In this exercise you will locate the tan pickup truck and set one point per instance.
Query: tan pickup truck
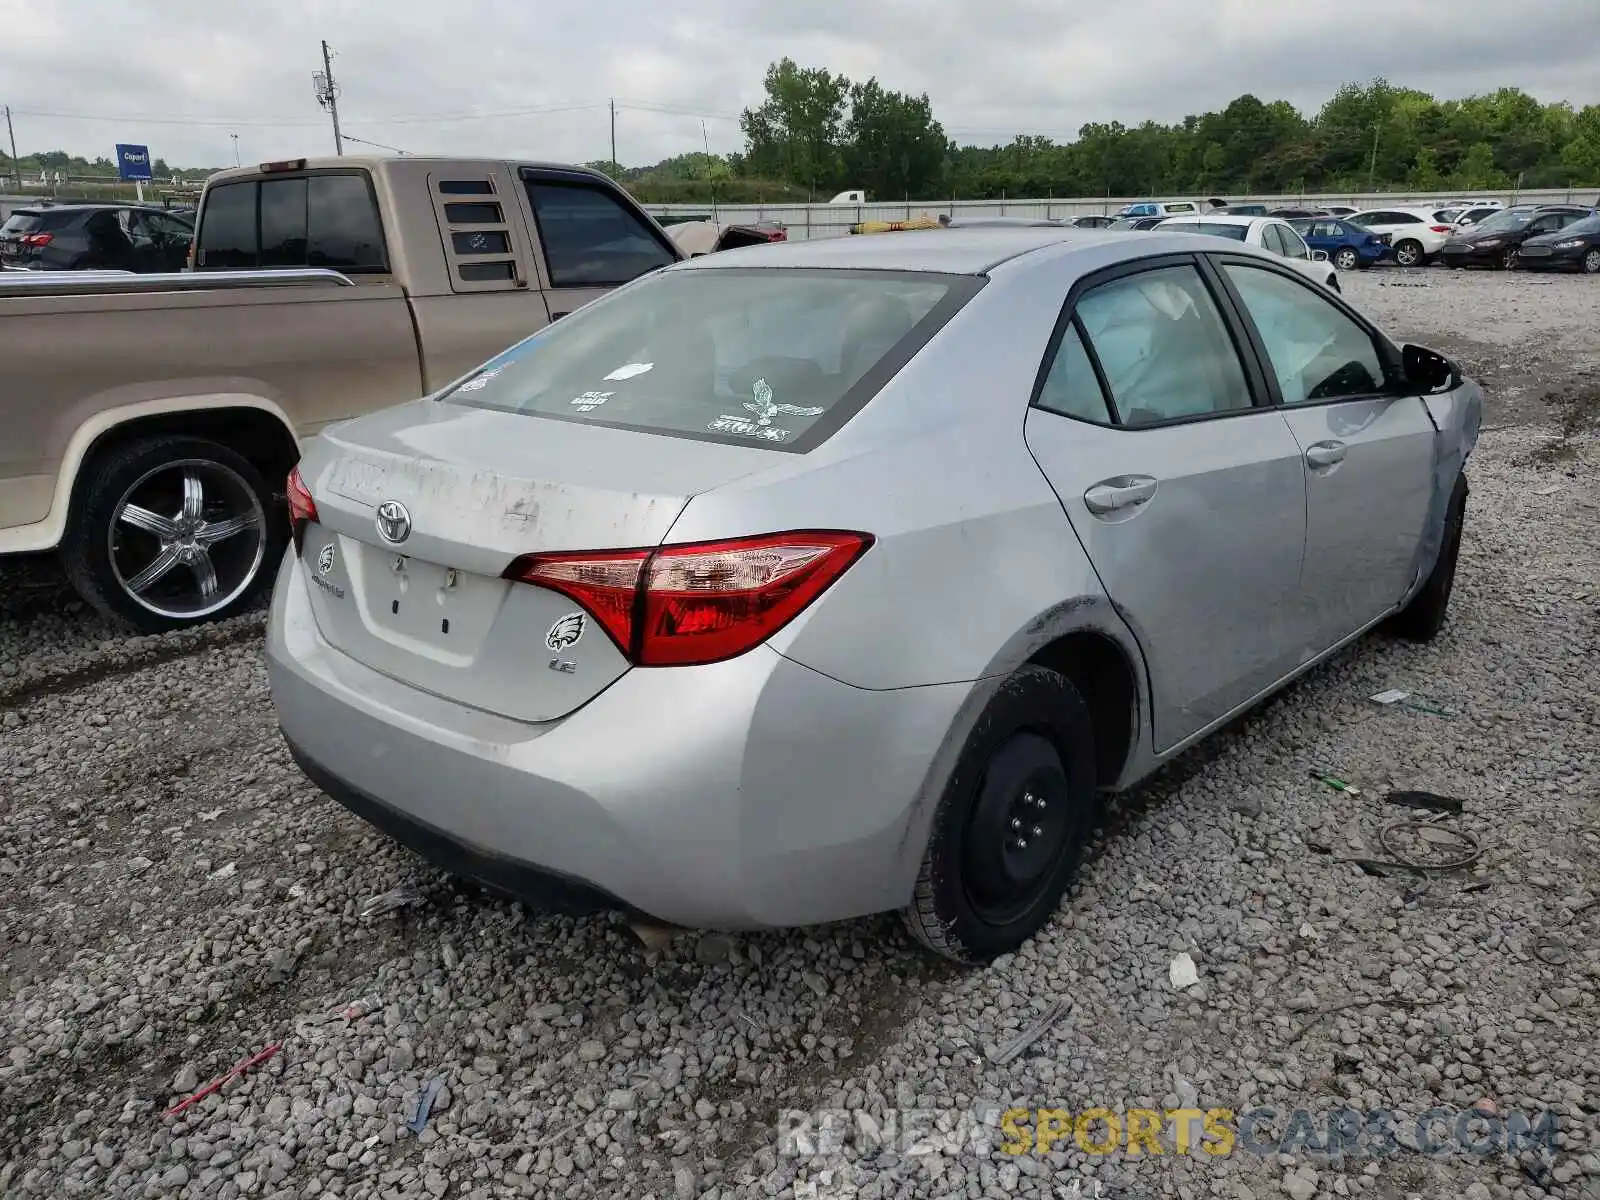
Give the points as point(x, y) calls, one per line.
point(148, 422)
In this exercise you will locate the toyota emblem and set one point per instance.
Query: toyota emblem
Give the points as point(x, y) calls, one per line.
point(394, 522)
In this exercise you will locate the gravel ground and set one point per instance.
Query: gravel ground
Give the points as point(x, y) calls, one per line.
point(176, 898)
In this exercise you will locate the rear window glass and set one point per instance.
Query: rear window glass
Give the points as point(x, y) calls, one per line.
point(310, 221)
point(1214, 229)
point(774, 358)
point(21, 223)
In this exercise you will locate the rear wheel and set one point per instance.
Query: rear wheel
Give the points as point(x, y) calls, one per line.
point(1591, 263)
point(1012, 823)
point(1408, 253)
point(171, 531)
point(1346, 258)
point(1423, 618)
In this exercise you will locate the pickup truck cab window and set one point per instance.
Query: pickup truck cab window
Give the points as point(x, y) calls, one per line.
point(321, 220)
point(590, 239)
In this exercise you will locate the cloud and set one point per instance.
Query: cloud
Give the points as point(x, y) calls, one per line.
point(182, 75)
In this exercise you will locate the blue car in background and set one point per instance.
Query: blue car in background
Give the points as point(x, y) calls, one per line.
point(1347, 244)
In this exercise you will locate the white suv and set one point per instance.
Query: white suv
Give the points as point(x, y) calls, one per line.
point(1415, 234)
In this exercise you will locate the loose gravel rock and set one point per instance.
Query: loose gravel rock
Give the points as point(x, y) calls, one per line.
point(175, 897)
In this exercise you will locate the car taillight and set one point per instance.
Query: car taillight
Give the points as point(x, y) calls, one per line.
point(302, 508)
point(1440, 228)
point(38, 239)
point(702, 602)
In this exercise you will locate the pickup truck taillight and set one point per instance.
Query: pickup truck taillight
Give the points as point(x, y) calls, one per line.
point(302, 508)
point(701, 602)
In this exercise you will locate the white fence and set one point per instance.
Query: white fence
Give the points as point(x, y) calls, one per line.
point(831, 220)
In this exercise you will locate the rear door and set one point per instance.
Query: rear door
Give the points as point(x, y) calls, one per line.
point(1186, 493)
point(1366, 446)
point(592, 237)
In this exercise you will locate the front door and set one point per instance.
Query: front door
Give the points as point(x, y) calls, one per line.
point(1367, 449)
point(1188, 498)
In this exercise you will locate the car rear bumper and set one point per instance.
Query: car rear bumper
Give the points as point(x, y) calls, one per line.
point(753, 792)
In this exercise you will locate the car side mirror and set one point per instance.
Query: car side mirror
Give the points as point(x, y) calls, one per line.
point(1319, 256)
point(1428, 370)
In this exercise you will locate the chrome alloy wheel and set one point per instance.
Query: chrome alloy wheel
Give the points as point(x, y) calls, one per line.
point(187, 538)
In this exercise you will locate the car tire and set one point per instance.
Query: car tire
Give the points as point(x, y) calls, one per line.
point(1408, 252)
point(1333, 283)
point(103, 546)
point(1591, 263)
point(988, 882)
point(1423, 618)
point(1346, 258)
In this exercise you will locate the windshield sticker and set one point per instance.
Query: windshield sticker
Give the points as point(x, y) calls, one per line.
point(764, 409)
point(590, 401)
point(628, 371)
point(745, 427)
point(480, 380)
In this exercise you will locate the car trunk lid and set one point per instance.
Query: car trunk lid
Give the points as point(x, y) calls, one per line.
point(421, 508)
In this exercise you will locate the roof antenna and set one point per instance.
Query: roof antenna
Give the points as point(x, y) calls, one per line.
point(705, 138)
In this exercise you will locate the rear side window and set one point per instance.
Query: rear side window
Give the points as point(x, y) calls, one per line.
point(590, 238)
point(1162, 347)
point(307, 221)
point(768, 358)
point(228, 239)
point(1071, 387)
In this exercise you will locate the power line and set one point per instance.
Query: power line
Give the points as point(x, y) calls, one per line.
point(350, 137)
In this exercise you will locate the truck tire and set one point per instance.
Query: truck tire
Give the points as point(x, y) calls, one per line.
point(171, 531)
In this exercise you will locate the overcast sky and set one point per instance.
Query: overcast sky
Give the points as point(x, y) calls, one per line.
point(182, 75)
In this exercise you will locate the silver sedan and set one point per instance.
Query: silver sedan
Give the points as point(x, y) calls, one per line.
point(807, 581)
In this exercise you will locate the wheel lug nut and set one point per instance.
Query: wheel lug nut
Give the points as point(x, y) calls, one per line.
point(1016, 823)
point(1037, 831)
point(1022, 843)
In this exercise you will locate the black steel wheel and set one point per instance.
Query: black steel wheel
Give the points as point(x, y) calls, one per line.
point(1016, 814)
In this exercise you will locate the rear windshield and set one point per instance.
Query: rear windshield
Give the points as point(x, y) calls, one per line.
point(22, 223)
point(1214, 228)
point(779, 358)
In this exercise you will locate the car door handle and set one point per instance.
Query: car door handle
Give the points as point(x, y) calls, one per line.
point(1325, 454)
point(1114, 495)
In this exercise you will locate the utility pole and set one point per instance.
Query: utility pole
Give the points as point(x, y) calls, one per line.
point(328, 95)
point(235, 138)
point(614, 168)
point(16, 167)
point(1372, 170)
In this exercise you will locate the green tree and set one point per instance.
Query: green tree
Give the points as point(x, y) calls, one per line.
point(892, 146)
point(795, 133)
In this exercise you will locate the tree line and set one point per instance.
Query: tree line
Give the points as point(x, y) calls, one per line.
point(817, 133)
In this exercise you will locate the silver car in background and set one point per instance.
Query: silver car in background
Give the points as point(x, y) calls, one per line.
point(802, 582)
